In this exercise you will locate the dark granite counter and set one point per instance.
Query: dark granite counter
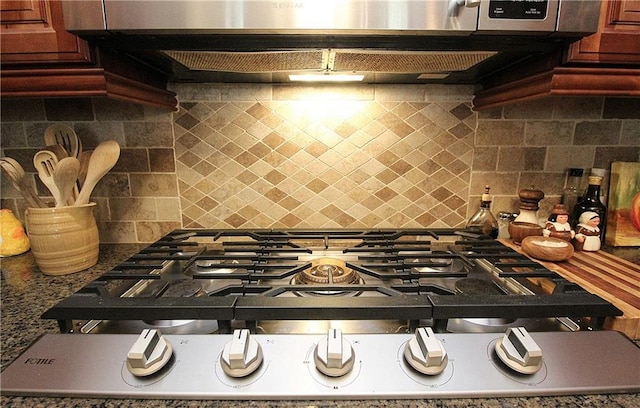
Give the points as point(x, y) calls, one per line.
point(27, 293)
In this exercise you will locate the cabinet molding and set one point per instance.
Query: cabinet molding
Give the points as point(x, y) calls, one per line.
point(567, 81)
point(81, 82)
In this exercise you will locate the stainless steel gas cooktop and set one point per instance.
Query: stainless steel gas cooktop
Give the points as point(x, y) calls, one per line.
point(342, 314)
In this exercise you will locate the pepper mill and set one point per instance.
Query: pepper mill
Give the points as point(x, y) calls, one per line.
point(526, 223)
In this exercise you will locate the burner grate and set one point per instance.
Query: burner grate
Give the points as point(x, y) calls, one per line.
point(247, 275)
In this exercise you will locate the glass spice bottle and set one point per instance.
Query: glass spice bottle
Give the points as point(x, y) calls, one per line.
point(483, 221)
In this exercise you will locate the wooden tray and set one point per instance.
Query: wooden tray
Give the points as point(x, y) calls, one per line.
point(610, 277)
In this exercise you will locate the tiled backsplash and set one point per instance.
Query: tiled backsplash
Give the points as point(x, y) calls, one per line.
point(279, 156)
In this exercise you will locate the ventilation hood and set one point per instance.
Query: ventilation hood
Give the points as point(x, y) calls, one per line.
point(386, 41)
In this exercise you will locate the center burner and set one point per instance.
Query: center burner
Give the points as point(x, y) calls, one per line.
point(327, 271)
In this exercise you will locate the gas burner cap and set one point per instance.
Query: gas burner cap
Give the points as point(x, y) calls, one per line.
point(472, 286)
point(327, 271)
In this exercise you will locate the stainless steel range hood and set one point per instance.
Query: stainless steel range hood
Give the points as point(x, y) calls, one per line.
point(388, 41)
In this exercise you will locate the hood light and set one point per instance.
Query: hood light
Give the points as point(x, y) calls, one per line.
point(326, 78)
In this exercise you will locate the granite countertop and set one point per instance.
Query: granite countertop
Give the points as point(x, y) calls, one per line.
point(27, 293)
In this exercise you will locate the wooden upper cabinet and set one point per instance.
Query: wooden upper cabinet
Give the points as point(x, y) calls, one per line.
point(32, 31)
point(40, 59)
point(606, 63)
point(618, 38)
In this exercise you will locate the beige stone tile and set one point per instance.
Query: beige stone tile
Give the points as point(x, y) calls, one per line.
point(153, 185)
point(499, 133)
point(246, 92)
point(545, 133)
point(459, 93)
point(535, 109)
point(399, 93)
point(117, 232)
point(521, 159)
point(148, 134)
point(112, 185)
point(577, 108)
point(195, 92)
point(153, 231)
point(168, 209)
point(129, 209)
point(322, 92)
point(605, 132)
point(92, 133)
point(500, 183)
point(630, 133)
point(550, 183)
point(605, 155)
point(440, 116)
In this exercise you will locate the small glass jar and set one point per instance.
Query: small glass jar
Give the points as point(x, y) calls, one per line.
point(504, 219)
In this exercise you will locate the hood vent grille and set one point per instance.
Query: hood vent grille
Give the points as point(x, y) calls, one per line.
point(249, 62)
point(331, 60)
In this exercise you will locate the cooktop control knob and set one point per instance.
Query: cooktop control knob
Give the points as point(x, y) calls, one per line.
point(519, 351)
point(334, 355)
point(425, 353)
point(149, 353)
point(242, 355)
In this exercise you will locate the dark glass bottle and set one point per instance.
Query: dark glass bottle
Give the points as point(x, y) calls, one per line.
point(591, 202)
point(483, 221)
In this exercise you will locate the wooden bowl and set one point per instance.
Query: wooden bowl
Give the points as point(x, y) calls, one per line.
point(519, 230)
point(547, 248)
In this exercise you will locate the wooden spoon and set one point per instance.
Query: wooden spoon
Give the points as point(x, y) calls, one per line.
point(65, 176)
point(103, 158)
point(45, 162)
point(85, 156)
point(14, 171)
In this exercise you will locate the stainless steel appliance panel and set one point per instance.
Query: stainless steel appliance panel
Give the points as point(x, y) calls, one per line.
point(259, 16)
point(94, 366)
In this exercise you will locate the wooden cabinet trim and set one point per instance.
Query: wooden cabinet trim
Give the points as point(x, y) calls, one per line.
point(562, 81)
point(87, 82)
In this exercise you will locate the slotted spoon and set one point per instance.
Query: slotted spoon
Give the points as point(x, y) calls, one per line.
point(45, 163)
point(65, 136)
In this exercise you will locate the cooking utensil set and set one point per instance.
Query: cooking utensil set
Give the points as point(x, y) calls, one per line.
point(64, 168)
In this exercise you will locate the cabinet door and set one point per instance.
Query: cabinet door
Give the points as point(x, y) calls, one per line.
point(618, 38)
point(32, 31)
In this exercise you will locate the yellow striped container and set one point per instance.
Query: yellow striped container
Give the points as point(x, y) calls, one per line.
point(63, 239)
